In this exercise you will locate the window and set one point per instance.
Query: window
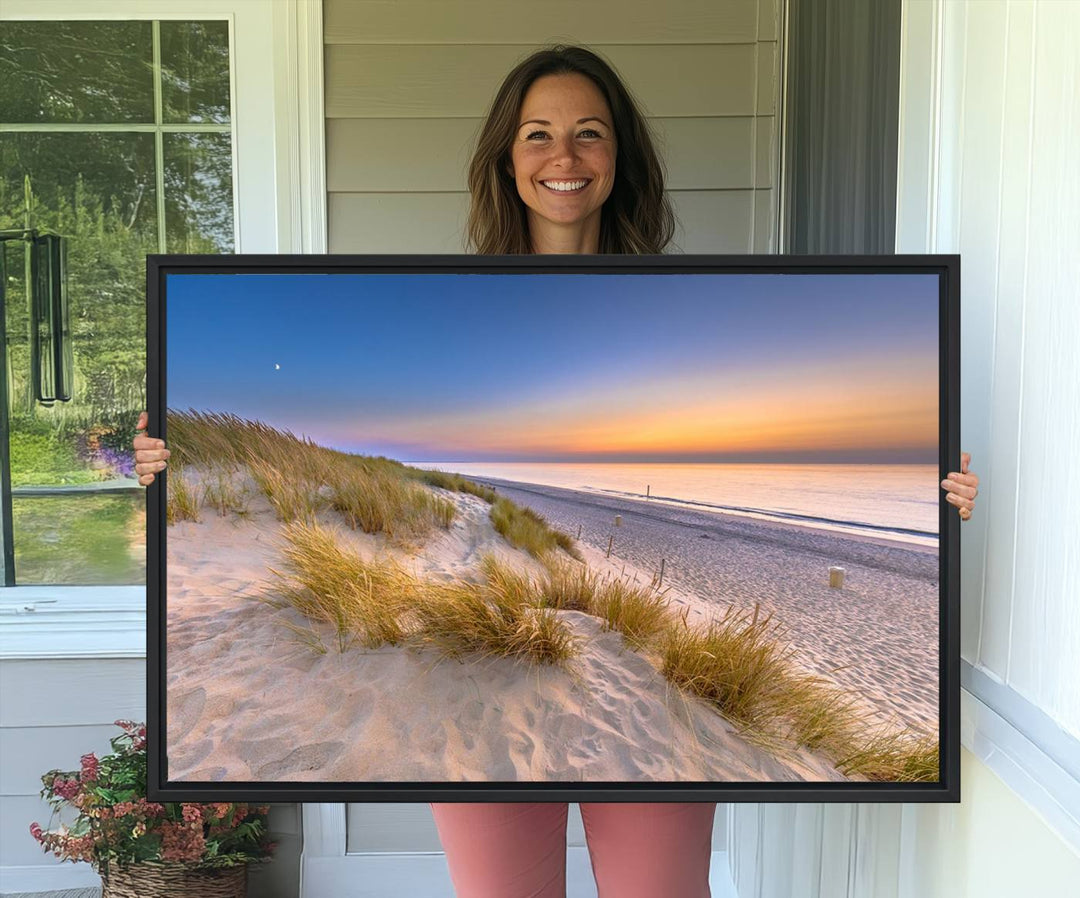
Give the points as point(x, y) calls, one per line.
point(118, 136)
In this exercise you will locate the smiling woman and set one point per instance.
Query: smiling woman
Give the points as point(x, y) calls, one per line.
point(560, 118)
point(563, 165)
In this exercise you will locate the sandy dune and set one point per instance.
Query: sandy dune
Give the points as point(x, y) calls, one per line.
point(248, 701)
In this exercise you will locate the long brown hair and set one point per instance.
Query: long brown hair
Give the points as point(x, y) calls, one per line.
point(637, 216)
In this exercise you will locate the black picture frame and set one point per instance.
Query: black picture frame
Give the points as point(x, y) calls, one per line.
point(947, 789)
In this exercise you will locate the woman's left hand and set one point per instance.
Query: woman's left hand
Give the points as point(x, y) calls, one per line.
point(962, 487)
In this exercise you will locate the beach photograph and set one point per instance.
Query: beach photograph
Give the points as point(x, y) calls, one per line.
point(556, 528)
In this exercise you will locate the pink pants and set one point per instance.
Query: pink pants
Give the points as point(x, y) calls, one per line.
point(649, 850)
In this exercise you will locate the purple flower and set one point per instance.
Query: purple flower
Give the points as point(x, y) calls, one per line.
point(119, 463)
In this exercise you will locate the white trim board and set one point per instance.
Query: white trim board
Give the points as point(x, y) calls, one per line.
point(1047, 788)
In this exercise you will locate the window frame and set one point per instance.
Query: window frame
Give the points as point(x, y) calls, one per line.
point(276, 59)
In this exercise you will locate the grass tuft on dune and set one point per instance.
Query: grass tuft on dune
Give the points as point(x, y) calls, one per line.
point(524, 529)
point(498, 617)
point(361, 600)
point(378, 603)
point(300, 478)
point(738, 663)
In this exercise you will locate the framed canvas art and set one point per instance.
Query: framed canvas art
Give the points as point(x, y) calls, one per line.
point(575, 528)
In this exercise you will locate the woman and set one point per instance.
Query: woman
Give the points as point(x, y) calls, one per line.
point(565, 164)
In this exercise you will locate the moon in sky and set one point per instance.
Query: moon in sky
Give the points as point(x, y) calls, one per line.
point(277, 367)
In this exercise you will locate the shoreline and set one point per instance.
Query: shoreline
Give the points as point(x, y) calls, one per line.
point(906, 536)
point(878, 635)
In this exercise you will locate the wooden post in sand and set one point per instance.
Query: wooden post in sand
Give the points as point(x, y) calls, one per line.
point(610, 542)
point(618, 520)
point(647, 490)
point(660, 582)
point(579, 531)
point(836, 577)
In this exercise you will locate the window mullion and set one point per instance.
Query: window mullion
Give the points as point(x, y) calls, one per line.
point(159, 137)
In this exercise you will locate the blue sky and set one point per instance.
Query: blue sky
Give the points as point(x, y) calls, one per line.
point(567, 367)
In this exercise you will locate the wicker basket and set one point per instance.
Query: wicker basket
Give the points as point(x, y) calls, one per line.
point(173, 880)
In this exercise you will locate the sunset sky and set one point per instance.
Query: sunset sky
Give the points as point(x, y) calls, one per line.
point(568, 367)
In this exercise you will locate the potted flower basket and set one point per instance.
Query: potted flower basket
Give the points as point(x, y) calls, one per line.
point(142, 848)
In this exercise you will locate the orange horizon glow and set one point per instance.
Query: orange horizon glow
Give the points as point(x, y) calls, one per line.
point(833, 407)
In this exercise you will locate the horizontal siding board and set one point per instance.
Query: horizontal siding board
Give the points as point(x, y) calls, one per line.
point(65, 692)
point(399, 154)
point(707, 153)
point(713, 221)
point(397, 222)
point(28, 752)
point(374, 81)
point(394, 154)
point(708, 221)
point(522, 22)
point(17, 846)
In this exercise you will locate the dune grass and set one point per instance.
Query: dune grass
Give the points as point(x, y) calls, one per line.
point(378, 603)
point(498, 617)
point(891, 757)
point(524, 529)
point(222, 494)
point(740, 665)
point(733, 662)
point(455, 483)
point(184, 499)
point(300, 478)
point(361, 600)
point(640, 613)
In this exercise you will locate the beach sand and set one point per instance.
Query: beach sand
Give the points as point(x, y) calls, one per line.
point(877, 635)
point(247, 700)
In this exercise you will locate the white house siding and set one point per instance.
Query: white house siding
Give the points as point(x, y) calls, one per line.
point(408, 83)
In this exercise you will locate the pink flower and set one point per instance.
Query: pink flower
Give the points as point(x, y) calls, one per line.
point(89, 768)
point(65, 788)
point(36, 831)
point(192, 813)
point(181, 841)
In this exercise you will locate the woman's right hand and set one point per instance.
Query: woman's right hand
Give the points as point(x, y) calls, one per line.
point(150, 454)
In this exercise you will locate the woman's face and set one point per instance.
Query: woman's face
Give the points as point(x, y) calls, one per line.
point(565, 136)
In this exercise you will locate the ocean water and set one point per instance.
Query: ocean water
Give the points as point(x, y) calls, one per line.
point(894, 501)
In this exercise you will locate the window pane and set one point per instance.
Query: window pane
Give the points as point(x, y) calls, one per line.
point(195, 72)
point(98, 191)
point(198, 193)
point(81, 540)
point(76, 72)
